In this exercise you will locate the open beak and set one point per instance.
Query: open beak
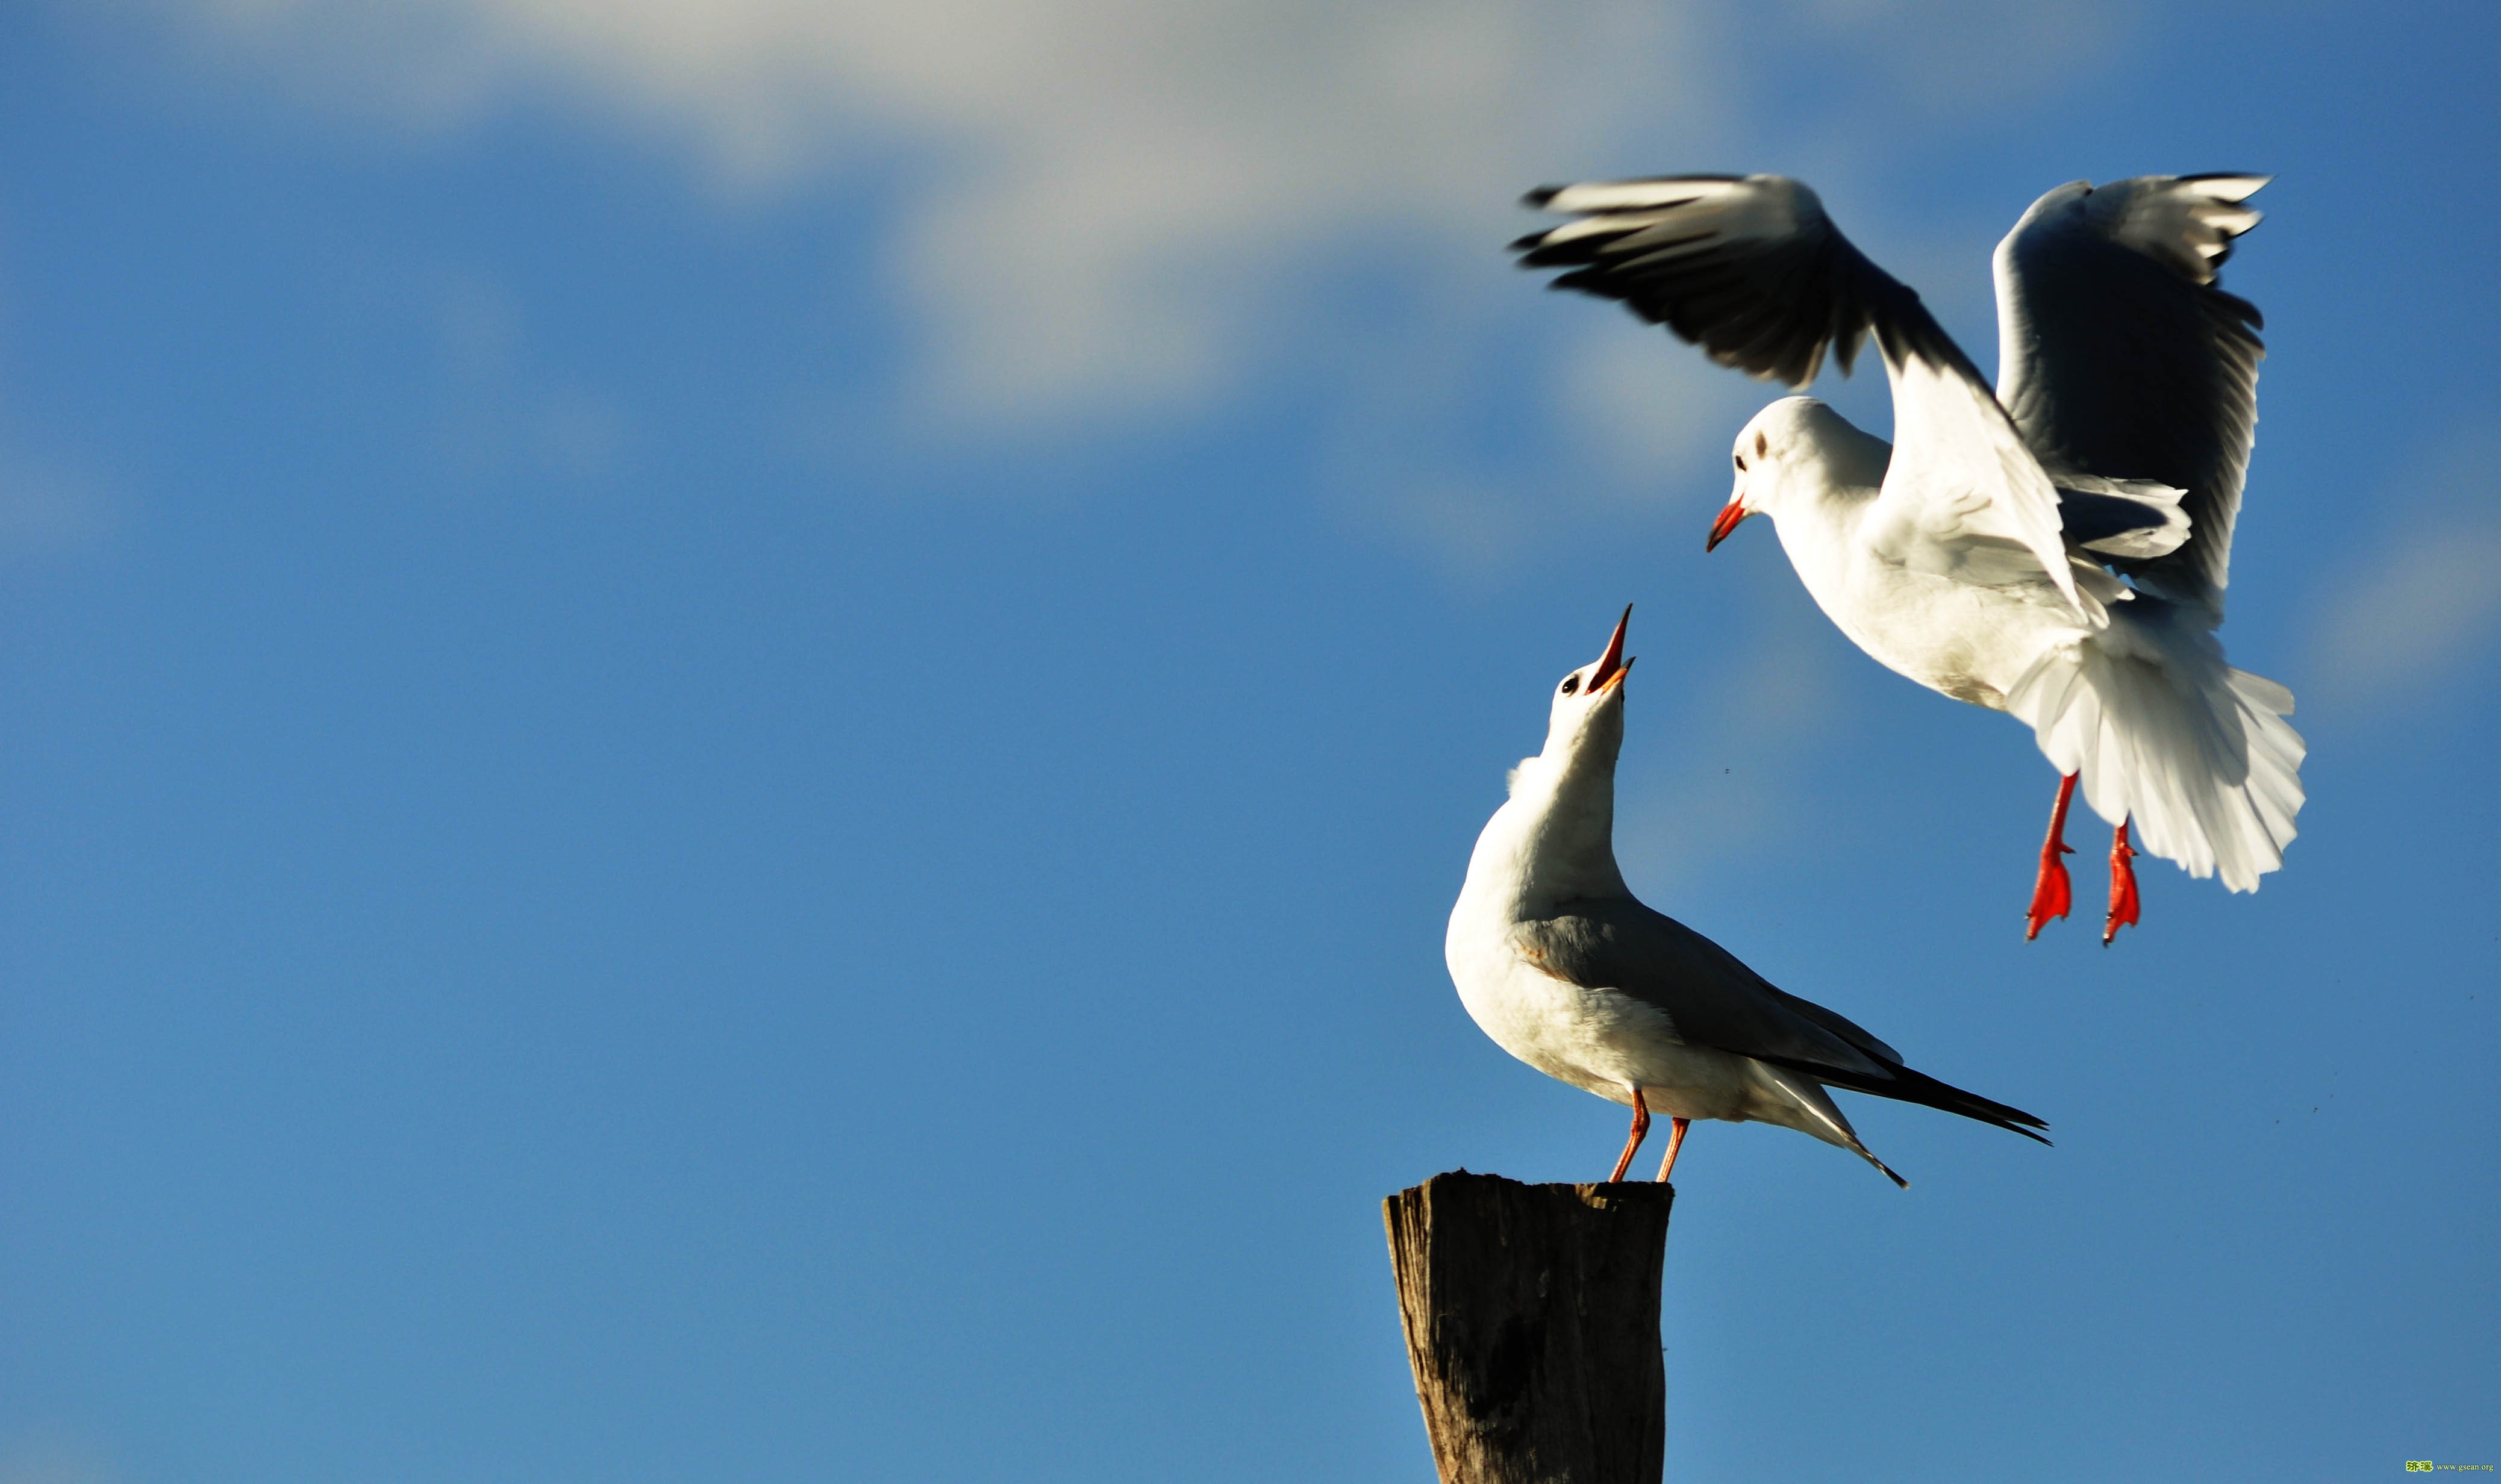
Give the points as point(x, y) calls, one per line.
point(1611, 665)
point(1729, 516)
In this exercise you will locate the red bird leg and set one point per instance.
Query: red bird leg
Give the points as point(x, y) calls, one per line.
point(1641, 1127)
point(1676, 1128)
point(2122, 908)
point(2052, 893)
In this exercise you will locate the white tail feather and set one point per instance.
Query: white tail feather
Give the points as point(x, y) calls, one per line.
point(2166, 732)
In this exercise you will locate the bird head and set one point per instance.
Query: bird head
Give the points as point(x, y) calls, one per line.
point(1589, 704)
point(1784, 439)
point(1556, 832)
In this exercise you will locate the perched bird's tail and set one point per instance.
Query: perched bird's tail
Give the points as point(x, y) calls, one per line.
point(2167, 734)
point(1811, 1109)
point(1804, 1085)
point(1903, 1085)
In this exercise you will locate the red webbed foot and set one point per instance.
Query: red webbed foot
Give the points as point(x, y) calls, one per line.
point(2122, 900)
point(2052, 894)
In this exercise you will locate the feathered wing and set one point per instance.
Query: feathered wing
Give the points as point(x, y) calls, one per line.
point(2130, 370)
point(1963, 497)
point(2120, 517)
point(1714, 1000)
point(1747, 267)
point(2120, 356)
point(1752, 269)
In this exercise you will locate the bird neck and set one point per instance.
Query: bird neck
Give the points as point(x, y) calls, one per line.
point(1555, 840)
point(1821, 506)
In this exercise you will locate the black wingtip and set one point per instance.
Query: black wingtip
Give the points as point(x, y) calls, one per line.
point(1536, 199)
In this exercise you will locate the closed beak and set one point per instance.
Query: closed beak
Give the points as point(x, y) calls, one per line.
point(1729, 516)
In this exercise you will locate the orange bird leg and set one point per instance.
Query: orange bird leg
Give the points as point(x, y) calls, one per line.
point(2052, 895)
point(1676, 1128)
point(2122, 908)
point(1641, 1127)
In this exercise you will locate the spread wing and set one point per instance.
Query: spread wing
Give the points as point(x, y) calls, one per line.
point(1714, 1000)
point(2120, 356)
point(1752, 269)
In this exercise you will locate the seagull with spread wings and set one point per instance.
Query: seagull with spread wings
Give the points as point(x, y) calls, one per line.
point(2055, 547)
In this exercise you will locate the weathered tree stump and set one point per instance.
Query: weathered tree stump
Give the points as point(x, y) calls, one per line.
point(1531, 1314)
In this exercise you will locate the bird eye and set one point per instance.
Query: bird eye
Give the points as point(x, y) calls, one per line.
point(1571, 684)
point(1740, 463)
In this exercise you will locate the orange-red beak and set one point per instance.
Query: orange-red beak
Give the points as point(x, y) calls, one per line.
point(1729, 516)
point(1611, 665)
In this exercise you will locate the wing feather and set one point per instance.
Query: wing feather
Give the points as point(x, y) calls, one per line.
point(1714, 1000)
point(1710, 996)
point(2121, 357)
point(1752, 269)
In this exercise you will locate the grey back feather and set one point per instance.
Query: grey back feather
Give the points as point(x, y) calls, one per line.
point(1713, 999)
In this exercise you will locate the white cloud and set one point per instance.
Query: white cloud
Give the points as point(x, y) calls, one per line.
point(1119, 211)
point(2425, 605)
point(1109, 194)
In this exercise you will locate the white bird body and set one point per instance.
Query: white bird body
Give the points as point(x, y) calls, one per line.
point(2122, 687)
point(1563, 967)
point(1548, 845)
point(2055, 547)
point(1968, 642)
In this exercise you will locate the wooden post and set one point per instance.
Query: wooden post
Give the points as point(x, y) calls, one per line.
point(1531, 1314)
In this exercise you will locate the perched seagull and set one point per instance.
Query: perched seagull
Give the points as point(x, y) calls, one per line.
point(1568, 973)
point(2056, 549)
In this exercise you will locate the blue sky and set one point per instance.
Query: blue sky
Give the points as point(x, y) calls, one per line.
point(733, 738)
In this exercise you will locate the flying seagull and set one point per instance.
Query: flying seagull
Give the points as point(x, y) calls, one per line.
point(2056, 549)
point(1560, 965)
